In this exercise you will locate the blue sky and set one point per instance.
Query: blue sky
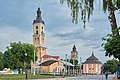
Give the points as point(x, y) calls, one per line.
point(16, 19)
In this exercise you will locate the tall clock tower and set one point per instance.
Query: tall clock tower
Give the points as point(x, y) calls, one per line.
point(39, 35)
point(74, 53)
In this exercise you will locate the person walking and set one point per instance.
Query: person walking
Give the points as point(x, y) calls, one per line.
point(106, 75)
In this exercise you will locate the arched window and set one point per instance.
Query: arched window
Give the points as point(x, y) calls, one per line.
point(43, 40)
point(37, 32)
point(36, 27)
point(42, 27)
point(38, 39)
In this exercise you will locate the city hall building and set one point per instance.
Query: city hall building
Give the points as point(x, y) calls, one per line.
point(40, 44)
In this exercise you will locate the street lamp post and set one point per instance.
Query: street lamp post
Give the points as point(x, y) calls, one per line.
point(73, 66)
point(26, 66)
point(80, 66)
point(69, 65)
point(66, 63)
point(34, 62)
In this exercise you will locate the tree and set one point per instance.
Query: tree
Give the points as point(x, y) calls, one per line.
point(14, 56)
point(86, 7)
point(1, 61)
point(75, 63)
point(112, 46)
point(110, 66)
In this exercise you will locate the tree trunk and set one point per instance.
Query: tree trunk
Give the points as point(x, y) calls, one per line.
point(112, 18)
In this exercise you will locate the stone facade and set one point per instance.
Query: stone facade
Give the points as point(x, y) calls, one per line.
point(39, 35)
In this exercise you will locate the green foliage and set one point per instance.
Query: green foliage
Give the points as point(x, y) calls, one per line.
point(14, 57)
point(112, 46)
point(116, 4)
point(110, 65)
point(1, 65)
point(85, 8)
point(1, 61)
point(74, 62)
point(23, 76)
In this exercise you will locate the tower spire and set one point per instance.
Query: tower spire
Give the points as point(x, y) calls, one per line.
point(39, 14)
point(38, 11)
point(74, 48)
point(38, 17)
point(92, 53)
point(74, 53)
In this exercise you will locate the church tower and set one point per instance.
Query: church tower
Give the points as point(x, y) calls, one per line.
point(74, 53)
point(39, 35)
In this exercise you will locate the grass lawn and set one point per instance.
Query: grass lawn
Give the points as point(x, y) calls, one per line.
point(23, 76)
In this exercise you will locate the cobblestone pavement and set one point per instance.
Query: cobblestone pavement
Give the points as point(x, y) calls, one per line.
point(84, 77)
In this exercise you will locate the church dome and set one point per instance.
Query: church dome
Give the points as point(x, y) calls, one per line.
point(92, 60)
point(38, 18)
point(92, 57)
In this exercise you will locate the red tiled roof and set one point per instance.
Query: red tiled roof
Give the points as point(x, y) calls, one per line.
point(49, 56)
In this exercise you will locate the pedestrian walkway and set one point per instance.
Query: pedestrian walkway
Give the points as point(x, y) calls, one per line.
point(84, 77)
point(65, 79)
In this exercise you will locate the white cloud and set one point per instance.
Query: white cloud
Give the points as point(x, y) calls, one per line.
point(10, 34)
point(61, 33)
